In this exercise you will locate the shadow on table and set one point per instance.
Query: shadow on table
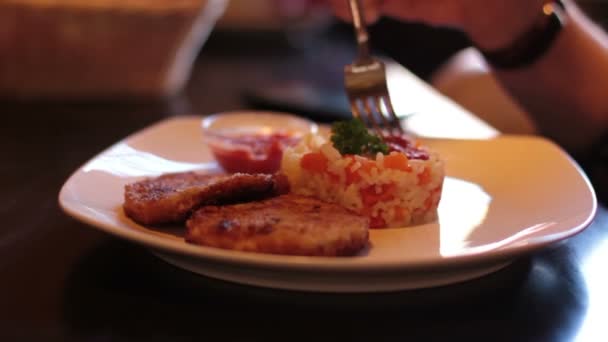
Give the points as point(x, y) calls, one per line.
point(122, 292)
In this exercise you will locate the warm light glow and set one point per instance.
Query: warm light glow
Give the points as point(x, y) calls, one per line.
point(548, 9)
point(463, 207)
point(124, 161)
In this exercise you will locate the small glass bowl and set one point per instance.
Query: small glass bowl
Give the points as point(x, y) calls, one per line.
point(224, 132)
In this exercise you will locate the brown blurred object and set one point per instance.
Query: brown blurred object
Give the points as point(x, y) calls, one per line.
point(251, 15)
point(101, 48)
point(273, 15)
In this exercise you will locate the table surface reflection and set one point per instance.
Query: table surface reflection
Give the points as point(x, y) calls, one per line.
point(61, 280)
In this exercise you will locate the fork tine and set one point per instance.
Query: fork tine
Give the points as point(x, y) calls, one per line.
point(377, 126)
point(356, 111)
point(396, 123)
point(387, 124)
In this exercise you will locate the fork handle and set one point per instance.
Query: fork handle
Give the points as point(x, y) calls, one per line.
point(360, 31)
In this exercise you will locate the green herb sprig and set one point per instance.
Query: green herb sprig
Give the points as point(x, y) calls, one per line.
point(352, 137)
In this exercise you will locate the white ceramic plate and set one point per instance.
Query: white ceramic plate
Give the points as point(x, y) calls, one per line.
point(503, 198)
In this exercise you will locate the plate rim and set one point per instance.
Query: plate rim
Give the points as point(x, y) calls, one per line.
point(304, 263)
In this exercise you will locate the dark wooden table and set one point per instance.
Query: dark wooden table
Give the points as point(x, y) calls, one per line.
point(62, 280)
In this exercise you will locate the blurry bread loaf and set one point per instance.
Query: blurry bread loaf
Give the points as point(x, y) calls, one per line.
point(100, 48)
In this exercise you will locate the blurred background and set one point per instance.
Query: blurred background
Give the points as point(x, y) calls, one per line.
point(289, 55)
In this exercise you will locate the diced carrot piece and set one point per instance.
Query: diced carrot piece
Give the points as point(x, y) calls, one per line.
point(370, 197)
point(374, 221)
point(400, 213)
point(351, 176)
point(377, 222)
point(397, 161)
point(355, 176)
point(334, 178)
point(314, 162)
point(425, 176)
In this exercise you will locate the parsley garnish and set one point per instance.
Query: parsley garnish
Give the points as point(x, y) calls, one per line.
point(352, 137)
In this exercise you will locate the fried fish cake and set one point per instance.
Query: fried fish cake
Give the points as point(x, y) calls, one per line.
point(288, 224)
point(171, 198)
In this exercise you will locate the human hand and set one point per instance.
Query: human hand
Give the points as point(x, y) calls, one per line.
point(491, 24)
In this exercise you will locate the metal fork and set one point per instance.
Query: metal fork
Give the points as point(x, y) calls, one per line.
point(365, 81)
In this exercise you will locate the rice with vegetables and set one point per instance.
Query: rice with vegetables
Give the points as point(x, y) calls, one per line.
point(395, 185)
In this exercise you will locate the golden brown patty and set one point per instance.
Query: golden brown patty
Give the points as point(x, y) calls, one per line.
point(288, 224)
point(172, 197)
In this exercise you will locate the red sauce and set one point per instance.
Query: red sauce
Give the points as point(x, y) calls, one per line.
point(406, 145)
point(252, 153)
